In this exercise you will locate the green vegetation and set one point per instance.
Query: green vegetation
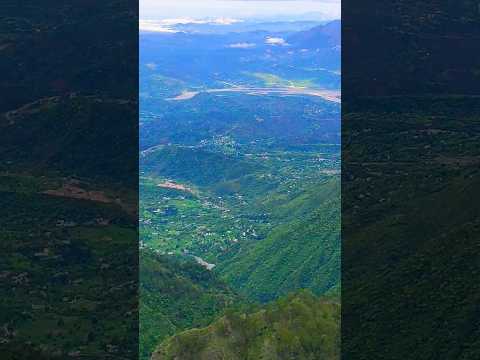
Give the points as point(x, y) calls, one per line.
point(275, 80)
point(299, 326)
point(267, 219)
point(413, 230)
point(302, 253)
point(79, 123)
point(175, 221)
point(176, 294)
point(195, 165)
point(259, 121)
point(215, 217)
point(239, 190)
point(63, 276)
point(68, 224)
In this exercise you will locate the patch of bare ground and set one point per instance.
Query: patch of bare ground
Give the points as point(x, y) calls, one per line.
point(175, 186)
point(73, 189)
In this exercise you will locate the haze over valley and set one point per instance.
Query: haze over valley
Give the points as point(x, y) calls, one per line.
point(239, 182)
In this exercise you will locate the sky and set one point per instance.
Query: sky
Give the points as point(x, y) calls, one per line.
point(240, 9)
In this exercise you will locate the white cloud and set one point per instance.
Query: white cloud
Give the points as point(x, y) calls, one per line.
point(151, 66)
point(242, 45)
point(154, 26)
point(188, 20)
point(168, 25)
point(276, 41)
point(226, 21)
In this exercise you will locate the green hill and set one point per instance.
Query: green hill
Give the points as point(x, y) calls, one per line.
point(303, 252)
point(176, 294)
point(195, 165)
point(299, 326)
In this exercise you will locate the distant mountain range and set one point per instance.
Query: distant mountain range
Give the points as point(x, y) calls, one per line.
point(223, 25)
point(308, 55)
point(319, 36)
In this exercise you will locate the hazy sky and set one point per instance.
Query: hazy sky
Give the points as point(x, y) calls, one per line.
point(163, 9)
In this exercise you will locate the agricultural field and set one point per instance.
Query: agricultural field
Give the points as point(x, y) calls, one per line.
point(210, 221)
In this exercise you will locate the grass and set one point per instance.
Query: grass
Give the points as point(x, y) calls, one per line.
point(275, 80)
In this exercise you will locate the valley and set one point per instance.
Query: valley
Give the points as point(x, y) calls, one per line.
point(210, 220)
point(239, 183)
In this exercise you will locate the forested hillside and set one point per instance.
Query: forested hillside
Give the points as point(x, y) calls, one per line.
point(299, 326)
point(177, 294)
point(303, 252)
point(239, 173)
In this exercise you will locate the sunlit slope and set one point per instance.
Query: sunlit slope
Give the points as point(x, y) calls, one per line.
point(297, 327)
point(303, 252)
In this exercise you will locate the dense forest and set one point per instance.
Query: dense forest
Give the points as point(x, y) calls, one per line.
point(177, 294)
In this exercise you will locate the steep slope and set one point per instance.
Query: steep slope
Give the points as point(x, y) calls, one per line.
point(298, 327)
point(176, 294)
point(303, 252)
